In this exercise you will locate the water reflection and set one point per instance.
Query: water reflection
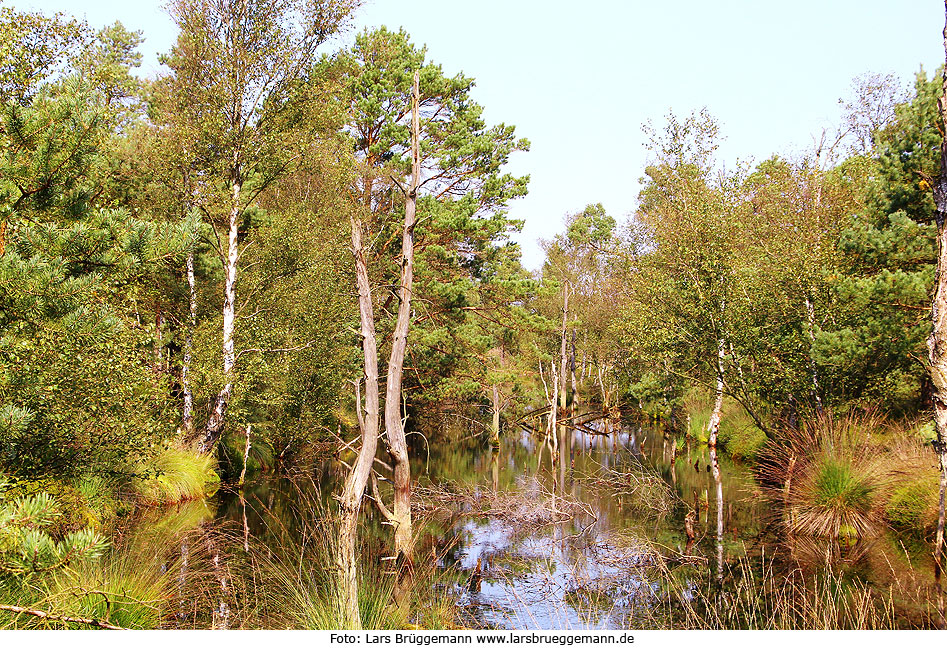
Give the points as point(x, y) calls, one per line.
point(593, 568)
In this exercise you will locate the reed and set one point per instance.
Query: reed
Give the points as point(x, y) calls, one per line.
point(291, 581)
point(749, 596)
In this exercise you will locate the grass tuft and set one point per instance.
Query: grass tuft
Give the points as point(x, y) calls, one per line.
point(831, 476)
point(176, 475)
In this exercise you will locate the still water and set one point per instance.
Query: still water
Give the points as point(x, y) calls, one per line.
point(525, 542)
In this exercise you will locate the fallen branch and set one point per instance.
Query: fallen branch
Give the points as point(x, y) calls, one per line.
point(526, 508)
point(58, 617)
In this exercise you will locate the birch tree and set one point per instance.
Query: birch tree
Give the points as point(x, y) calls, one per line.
point(239, 62)
point(937, 342)
point(693, 229)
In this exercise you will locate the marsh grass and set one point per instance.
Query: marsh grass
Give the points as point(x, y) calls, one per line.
point(738, 433)
point(285, 577)
point(832, 476)
point(175, 475)
point(128, 586)
point(753, 596)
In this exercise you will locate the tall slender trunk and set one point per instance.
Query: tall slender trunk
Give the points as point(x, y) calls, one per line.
point(714, 424)
point(562, 354)
point(354, 489)
point(937, 341)
point(718, 484)
point(810, 330)
point(601, 383)
point(575, 388)
point(187, 415)
point(215, 424)
point(394, 425)
point(246, 458)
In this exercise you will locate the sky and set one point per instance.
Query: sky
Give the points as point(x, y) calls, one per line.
point(578, 79)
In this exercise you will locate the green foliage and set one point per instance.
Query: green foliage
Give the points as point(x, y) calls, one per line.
point(34, 48)
point(882, 291)
point(26, 545)
point(467, 277)
point(68, 354)
point(849, 244)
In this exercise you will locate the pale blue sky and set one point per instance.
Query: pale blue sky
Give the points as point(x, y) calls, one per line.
point(578, 79)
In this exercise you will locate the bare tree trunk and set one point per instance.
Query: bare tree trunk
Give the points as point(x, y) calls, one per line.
point(354, 489)
point(215, 424)
point(495, 427)
point(714, 424)
point(246, 457)
point(394, 425)
point(187, 415)
point(937, 341)
point(554, 413)
point(601, 383)
point(562, 355)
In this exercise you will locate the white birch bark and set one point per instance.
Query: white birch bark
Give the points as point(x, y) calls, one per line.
point(187, 415)
point(937, 341)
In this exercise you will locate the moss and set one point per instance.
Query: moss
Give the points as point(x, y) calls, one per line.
point(912, 507)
